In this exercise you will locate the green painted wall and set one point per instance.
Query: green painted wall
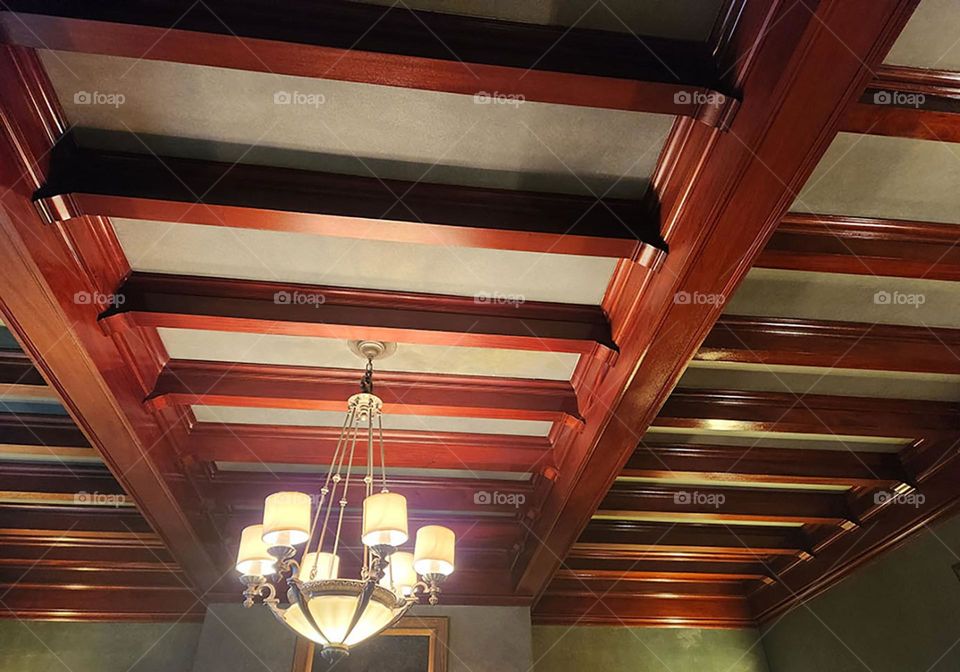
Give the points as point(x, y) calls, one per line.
point(616, 649)
point(901, 613)
point(43, 646)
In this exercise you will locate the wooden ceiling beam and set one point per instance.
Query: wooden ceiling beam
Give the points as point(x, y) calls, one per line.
point(807, 414)
point(146, 187)
point(284, 444)
point(185, 302)
point(326, 389)
point(659, 541)
point(687, 571)
point(769, 466)
point(630, 501)
point(393, 46)
point(864, 246)
point(779, 341)
point(906, 102)
point(17, 369)
point(101, 603)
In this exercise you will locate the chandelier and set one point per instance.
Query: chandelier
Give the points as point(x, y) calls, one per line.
point(339, 613)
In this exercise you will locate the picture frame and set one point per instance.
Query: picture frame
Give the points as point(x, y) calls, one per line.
point(432, 628)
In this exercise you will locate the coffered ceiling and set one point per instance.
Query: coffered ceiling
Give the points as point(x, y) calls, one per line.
point(685, 294)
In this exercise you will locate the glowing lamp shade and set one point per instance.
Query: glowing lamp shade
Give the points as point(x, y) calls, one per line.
point(400, 576)
point(384, 519)
point(286, 519)
point(434, 551)
point(319, 567)
point(253, 558)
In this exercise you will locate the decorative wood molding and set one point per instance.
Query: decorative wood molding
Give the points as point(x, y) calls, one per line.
point(675, 610)
point(864, 246)
point(777, 341)
point(392, 46)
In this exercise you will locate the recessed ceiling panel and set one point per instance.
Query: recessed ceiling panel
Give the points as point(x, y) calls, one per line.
point(930, 37)
point(678, 19)
point(487, 275)
point(223, 346)
point(847, 298)
point(892, 178)
point(344, 127)
point(431, 423)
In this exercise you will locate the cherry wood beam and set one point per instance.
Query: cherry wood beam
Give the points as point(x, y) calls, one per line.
point(147, 187)
point(905, 102)
point(721, 196)
point(185, 302)
point(36, 578)
point(326, 389)
point(639, 610)
point(864, 246)
point(629, 501)
point(284, 444)
point(95, 557)
point(392, 46)
point(808, 414)
point(65, 602)
point(42, 276)
point(769, 466)
point(660, 541)
point(778, 341)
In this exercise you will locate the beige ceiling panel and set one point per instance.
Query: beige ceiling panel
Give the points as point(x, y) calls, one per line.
point(930, 39)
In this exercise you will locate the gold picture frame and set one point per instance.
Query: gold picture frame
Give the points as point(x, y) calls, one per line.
point(436, 628)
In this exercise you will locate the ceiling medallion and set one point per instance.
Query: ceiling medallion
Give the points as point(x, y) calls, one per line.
point(339, 613)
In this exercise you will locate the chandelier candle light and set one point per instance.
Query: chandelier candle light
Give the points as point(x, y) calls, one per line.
point(338, 613)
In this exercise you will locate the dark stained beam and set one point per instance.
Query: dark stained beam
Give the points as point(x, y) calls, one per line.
point(721, 197)
point(143, 186)
point(393, 46)
point(778, 341)
point(276, 444)
point(700, 503)
point(864, 246)
point(769, 466)
point(185, 302)
point(808, 414)
point(688, 570)
point(660, 541)
point(40, 430)
point(326, 389)
point(905, 102)
point(16, 368)
point(63, 602)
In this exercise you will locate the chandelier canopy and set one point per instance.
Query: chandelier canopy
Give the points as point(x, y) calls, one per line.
point(298, 544)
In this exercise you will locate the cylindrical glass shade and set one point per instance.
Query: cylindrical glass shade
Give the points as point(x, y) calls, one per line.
point(384, 519)
point(327, 566)
point(434, 551)
point(252, 556)
point(286, 519)
point(400, 575)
